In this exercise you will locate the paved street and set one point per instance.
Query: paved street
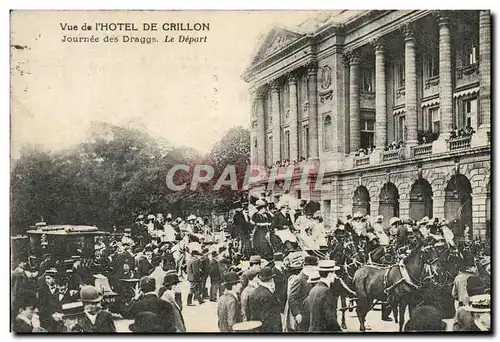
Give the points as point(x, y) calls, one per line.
point(203, 318)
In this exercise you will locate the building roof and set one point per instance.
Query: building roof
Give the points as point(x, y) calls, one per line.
point(282, 36)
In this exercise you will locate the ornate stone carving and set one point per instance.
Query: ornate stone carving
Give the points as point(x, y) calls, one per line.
point(365, 95)
point(306, 106)
point(408, 30)
point(325, 77)
point(400, 92)
point(431, 82)
point(467, 70)
point(312, 68)
point(275, 85)
point(378, 44)
point(325, 95)
point(442, 17)
point(351, 57)
point(279, 42)
point(292, 77)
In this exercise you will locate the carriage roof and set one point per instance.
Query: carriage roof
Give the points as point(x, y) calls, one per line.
point(67, 230)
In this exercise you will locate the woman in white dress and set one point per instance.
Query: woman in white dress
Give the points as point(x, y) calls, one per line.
point(318, 230)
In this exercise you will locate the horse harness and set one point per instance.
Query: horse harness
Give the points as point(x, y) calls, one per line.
point(405, 277)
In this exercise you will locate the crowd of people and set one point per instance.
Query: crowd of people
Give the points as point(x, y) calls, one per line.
point(276, 270)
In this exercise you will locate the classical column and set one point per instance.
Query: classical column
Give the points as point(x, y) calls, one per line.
point(445, 77)
point(275, 112)
point(354, 103)
point(410, 85)
point(380, 96)
point(312, 74)
point(294, 139)
point(481, 137)
point(261, 127)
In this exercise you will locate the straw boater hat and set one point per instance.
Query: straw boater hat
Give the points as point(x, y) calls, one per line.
point(247, 326)
point(191, 217)
point(479, 303)
point(312, 276)
point(379, 219)
point(327, 266)
point(255, 259)
point(72, 309)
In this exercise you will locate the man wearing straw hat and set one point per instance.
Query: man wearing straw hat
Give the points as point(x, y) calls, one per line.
point(322, 305)
point(229, 307)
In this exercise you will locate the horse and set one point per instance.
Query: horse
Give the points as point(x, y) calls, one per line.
point(346, 255)
point(397, 281)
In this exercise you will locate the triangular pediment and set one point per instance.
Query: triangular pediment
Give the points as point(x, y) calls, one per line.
point(276, 40)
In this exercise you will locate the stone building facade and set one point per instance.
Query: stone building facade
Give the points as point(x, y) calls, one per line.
point(351, 80)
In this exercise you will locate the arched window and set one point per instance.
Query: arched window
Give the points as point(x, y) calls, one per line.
point(327, 133)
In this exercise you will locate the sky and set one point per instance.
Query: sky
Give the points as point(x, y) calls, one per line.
point(189, 94)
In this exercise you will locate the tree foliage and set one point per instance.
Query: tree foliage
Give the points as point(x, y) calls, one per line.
point(114, 176)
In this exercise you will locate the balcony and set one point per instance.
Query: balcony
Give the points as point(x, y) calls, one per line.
point(421, 150)
point(361, 161)
point(390, 155)
point(459, 143)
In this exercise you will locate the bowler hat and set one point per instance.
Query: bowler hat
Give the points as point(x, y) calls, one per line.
point(90, 294)
point(146, 321)
point(171, 278)
point(425, 318)
point(266, 274)
point(231, 278)
point(475, 286)
point(310, 261)
point(146, 281)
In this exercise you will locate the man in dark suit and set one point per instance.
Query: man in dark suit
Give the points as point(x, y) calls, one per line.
point(49, 306)
point(145, 266)
point(243, 229)
point(194, 278)
point(321, 302)
point(282, 219)
point(94, 320)
point(214, 272)
point(264, 306)
point(229, 307)
point(150, 302)
point(64, 294)
point(250, 273)
point(280, 279)
point(204, 273)
point(299, 289)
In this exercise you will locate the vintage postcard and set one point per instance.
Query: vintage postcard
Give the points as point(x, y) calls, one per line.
point(250, 171)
